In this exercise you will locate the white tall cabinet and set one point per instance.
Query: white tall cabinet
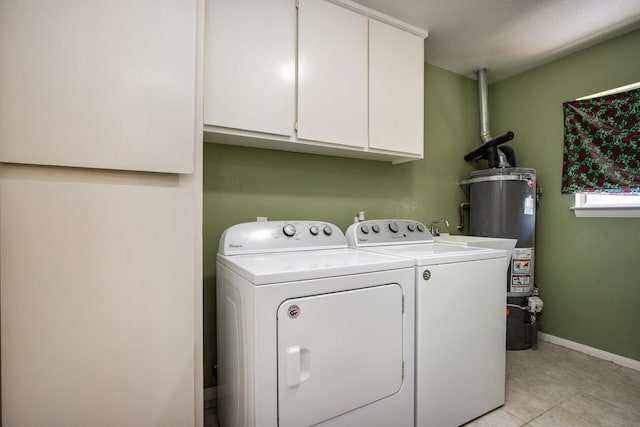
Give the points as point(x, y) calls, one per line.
point(98, 84)
point(100, 213)
point(97, 304)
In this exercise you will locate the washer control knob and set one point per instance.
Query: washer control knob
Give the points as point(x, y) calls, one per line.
point(328, 230)
point(420, 228)
point(289, 230)
point(375, 228)
point(393, 227)
point(364, 229)
point(314, 230)
point(411, 227)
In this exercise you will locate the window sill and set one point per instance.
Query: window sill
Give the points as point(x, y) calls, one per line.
point(606, 211)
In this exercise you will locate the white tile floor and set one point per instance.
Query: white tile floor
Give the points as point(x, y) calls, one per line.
point(550, 386)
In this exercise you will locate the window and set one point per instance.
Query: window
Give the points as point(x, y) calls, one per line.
point(613, 91)
point(608, 203)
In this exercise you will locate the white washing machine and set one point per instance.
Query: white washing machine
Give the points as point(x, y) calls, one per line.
point(460, 319)
point(311, 332)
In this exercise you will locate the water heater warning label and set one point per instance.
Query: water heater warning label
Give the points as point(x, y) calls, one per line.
point(521, 266)
point(522, 270)
point(523, 253)
point(520, 283)
point(529, 206)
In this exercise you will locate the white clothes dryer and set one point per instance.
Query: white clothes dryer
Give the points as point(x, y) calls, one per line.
point(311, 332)
point(460, 319)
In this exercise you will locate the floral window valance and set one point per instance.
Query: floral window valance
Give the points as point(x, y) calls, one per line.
point(601, 138)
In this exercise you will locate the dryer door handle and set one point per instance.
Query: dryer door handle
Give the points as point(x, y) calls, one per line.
point(298, 366)
point(293, 366)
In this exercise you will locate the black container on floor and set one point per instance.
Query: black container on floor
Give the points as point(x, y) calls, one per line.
point(521, 333)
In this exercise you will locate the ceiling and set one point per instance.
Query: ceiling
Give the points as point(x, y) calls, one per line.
point(508, 37)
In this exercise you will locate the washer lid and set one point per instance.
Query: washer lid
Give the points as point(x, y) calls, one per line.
point(440, 253)
point(268, 268)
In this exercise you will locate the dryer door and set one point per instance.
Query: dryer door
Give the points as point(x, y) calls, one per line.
point(338, 352)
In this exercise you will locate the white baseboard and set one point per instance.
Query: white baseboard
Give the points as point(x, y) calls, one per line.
point(210, 396)
point(601, 354)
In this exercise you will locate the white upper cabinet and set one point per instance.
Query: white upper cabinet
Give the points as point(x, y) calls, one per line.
point(99, 84)
point(250, 65)
point(332, 74)
point(357, 88)
point(396, 89)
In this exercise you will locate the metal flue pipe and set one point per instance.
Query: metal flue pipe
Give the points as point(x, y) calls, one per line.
point(488, 150)
point(483, 102)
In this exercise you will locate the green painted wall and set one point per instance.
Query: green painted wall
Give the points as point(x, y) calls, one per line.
point(243, 183)
point(586, 269)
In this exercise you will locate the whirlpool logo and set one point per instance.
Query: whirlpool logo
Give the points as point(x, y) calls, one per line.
point(234, 246)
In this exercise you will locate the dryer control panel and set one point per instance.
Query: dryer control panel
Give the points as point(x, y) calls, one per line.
point(280, 236)
point(387, 231)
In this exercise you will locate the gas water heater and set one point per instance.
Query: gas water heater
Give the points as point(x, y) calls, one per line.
point(503, 204)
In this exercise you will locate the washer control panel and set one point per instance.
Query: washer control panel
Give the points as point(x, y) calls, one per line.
point(280, 236)
point(387, 231)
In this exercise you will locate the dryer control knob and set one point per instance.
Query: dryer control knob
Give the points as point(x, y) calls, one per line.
point(420, 228)
point(364, 229)
point(393, 227)
point(375, 228)
point(289, 230)
point(328, 230)
point(411, 227)
point(314, 230)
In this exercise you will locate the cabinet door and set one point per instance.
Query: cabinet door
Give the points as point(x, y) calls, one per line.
point(396, 89)
point(332, 74)
point(250, 65)
point(99, 84)
point(98, 305)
